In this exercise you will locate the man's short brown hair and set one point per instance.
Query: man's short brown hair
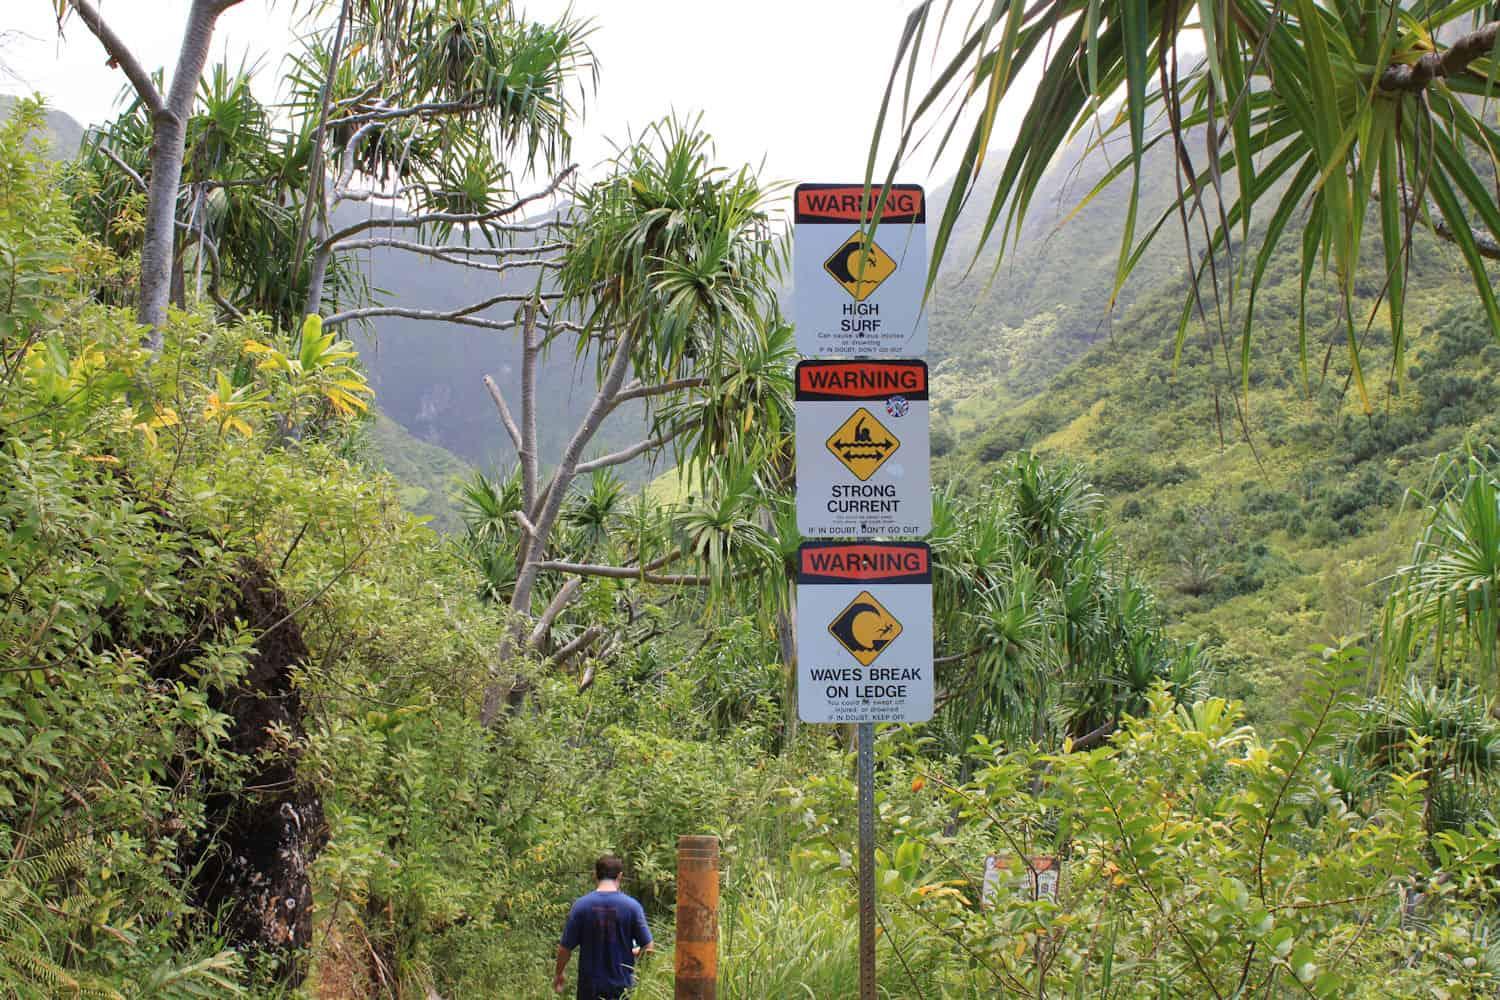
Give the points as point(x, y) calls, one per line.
point(608, 867)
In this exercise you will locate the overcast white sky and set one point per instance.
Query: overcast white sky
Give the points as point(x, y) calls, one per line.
point(794, 82)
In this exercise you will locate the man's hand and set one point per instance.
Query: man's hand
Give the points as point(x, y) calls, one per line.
point(559, 983)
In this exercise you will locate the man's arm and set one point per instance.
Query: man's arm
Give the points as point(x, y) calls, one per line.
point(642, 934)
point(559, 982)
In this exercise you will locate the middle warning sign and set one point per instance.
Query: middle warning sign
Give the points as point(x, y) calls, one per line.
point(862, 464)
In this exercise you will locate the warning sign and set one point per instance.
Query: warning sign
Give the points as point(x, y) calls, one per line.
point(859, 293)
point(859, 266)
point(871, 478)
point(863, 444)
point(864, 632)
point(865, 628)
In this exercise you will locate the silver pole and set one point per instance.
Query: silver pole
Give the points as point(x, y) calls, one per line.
point(866, 766)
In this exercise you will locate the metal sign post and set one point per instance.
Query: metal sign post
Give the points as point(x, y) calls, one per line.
point(866, 768)
point(864, 655)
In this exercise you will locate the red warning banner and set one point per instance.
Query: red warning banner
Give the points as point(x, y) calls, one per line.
point(848, 203)
point(865, 380)
point(864, 562)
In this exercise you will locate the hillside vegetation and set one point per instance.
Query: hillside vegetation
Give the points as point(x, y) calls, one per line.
point(271, 736)
point(1267, 534)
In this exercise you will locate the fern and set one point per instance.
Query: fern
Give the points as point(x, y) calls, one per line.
point(213, 976)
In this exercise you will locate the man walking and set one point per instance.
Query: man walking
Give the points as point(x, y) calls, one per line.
point(611, 929)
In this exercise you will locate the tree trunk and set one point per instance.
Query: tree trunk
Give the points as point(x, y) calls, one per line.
point(317, 274)
point(546, 518)
point(543, 519)
point(168, 137)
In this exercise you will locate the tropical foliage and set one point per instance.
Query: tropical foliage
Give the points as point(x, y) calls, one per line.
point(1340, 115)
point(268, 734)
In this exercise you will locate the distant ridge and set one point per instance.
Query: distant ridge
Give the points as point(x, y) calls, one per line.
point(64, 134)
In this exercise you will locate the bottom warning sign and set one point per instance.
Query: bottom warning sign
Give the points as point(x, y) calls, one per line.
point(864, 634)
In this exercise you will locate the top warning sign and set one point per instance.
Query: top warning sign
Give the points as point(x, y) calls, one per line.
point(858, 289)
point(849, 203)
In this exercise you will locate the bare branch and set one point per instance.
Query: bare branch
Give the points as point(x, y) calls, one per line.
point(130, 172)
point(525, 523)
point(635, 390)
point(549, 504)
point(505, 417)
point(446, 218)
point(371, 194)
point(463, 314)
point(315, 199)
point(565, 595)
point(626, 454)
point(1486, 245)
point(624, 573)
point(441, 317)
point(527, 452)
point(120, 55)
point(411, 111)
point(1414, 77)
point(534, 249)
point(446, 251)
point(585, 639)
point(216, 276)
point(1093, 737)
point(443, 254)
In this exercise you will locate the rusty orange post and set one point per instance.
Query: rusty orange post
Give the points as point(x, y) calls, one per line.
point(697, 965)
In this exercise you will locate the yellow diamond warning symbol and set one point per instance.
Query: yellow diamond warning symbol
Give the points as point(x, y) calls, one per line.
point(859, 265)
point(863, 444)
point(865, 628)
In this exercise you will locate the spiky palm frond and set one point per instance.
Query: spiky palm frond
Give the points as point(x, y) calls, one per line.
point(590, 512)
point(488, 507)
point(674, 250)
point(1446, 600)
point(1313, 114)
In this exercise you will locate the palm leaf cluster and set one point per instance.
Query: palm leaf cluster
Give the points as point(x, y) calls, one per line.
point(446, 105)
point(1326, 116)
point(1445, 733)
point(1444, 608)
point(674, 253)
point(1045, 638)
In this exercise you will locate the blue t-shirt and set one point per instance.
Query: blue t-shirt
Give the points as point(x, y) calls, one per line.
point(606, 925)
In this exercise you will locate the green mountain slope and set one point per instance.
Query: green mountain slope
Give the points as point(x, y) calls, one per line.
point(1260, 548)
point(1013, 327)
point(426, 471)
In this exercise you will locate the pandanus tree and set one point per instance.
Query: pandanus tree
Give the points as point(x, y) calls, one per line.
point(666, 289)
point(1444, 608)
point(166, 110)
point(1301, 123)
point(1041, 637)
point(431, 128)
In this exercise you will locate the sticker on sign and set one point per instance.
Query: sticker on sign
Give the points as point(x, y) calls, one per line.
point(870, 478)
point(858, 293)
point(864, 632)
